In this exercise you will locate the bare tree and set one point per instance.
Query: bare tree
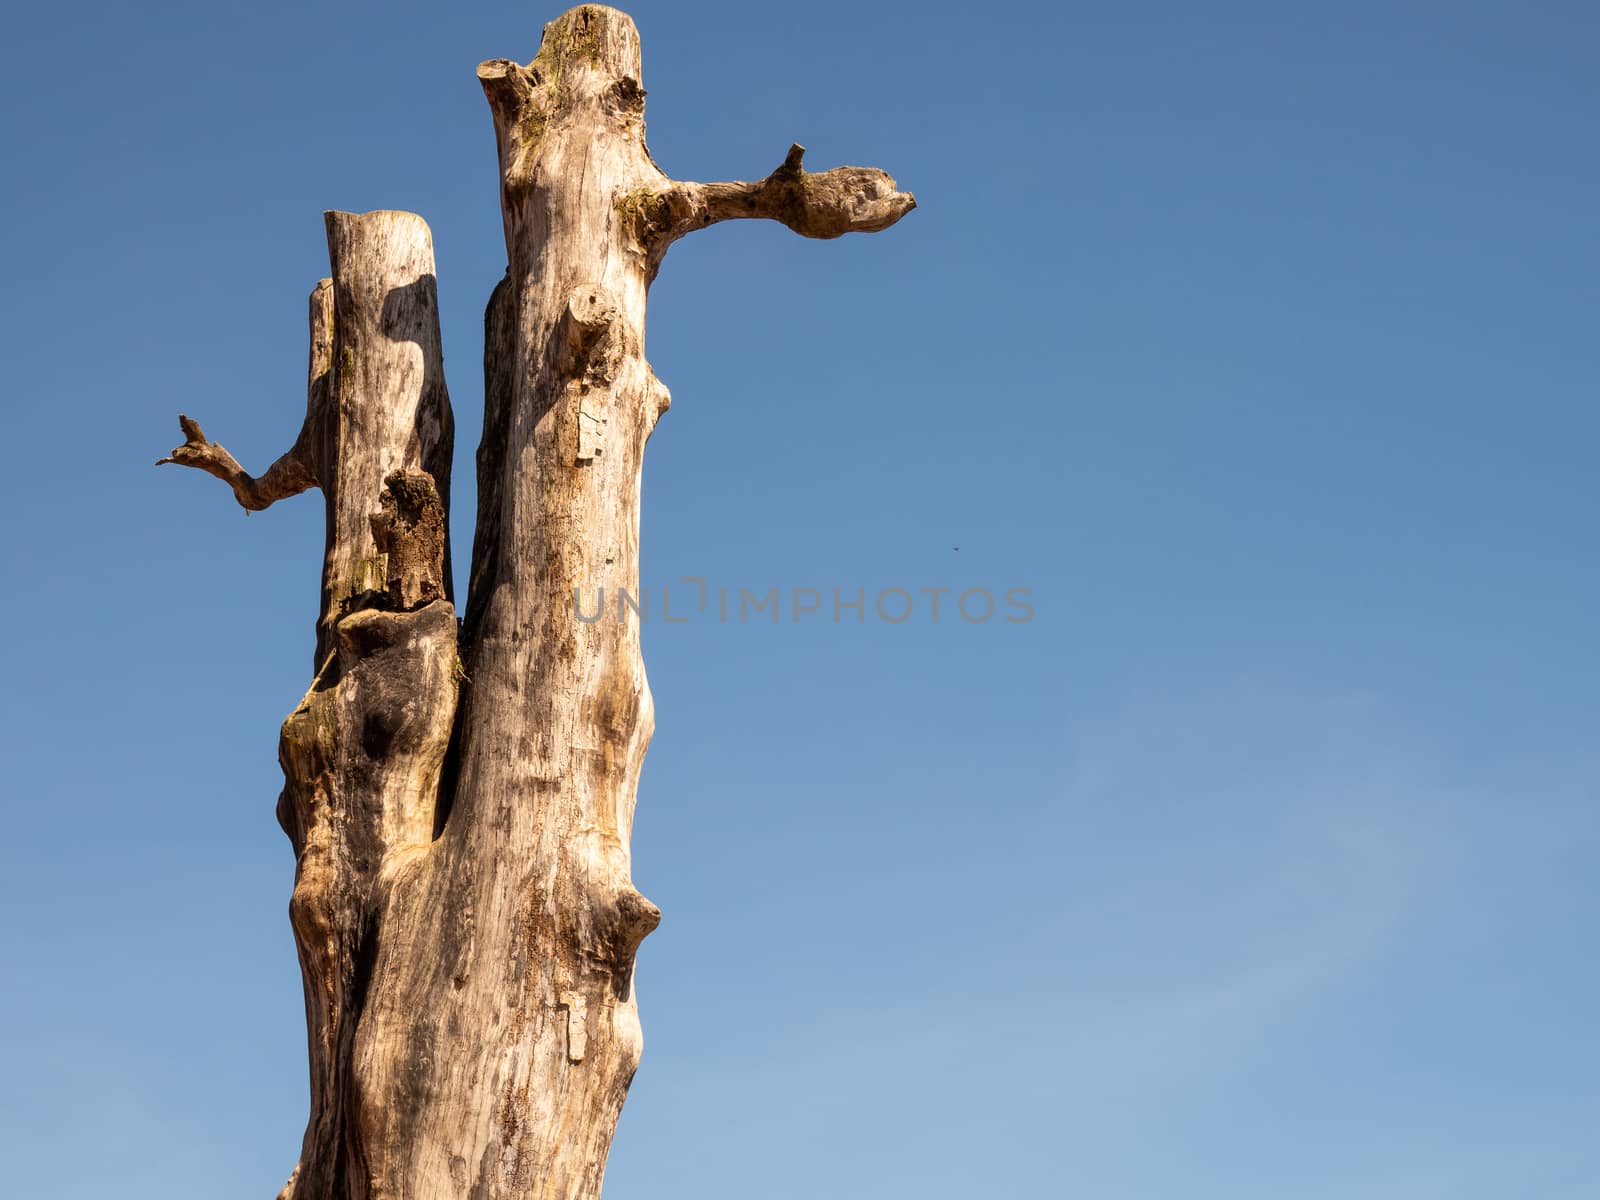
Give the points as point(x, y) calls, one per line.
point(460, 795)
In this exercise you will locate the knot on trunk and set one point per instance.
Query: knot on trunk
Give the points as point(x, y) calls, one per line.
point(589, 336)
point(587, 348)
point(620, 921)
point(409, 532)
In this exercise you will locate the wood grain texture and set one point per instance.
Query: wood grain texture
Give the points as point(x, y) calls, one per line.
point(464, 904)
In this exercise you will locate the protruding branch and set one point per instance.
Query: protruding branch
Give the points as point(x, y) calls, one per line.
point(827, 204)
point(520, 110)
point(508, 85)
point(300, 468)
point(289, 476)
point(585, 341)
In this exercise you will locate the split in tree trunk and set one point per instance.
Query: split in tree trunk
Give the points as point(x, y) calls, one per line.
point(463, 906)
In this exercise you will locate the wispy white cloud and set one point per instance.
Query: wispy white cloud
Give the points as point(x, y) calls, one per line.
point(1364, 876)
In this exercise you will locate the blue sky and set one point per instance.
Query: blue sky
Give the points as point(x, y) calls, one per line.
point(1256, 340)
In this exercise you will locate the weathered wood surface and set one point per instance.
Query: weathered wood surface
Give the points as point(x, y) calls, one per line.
point(464, 905)
point(363, 753)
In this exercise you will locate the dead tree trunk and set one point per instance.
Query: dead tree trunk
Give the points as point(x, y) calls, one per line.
point(463, 904)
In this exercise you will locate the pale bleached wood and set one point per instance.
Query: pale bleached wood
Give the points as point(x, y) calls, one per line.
point(528, 894)
point(364, 752)
point(464, 907)
point(392, 410)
